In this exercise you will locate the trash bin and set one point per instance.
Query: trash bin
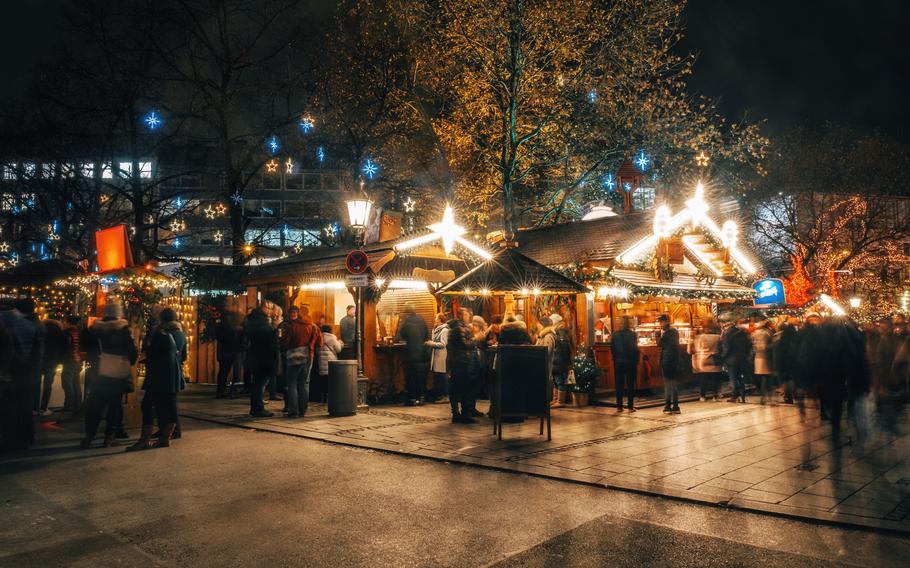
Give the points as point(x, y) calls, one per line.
point(342, 388)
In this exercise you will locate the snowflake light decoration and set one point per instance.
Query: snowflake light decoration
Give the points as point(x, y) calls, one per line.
point(702, 159)
point(609, 182)
point(592, 96)
point(329, 231)
point(306, 124)
point(218, 236)
point(320, 154)
point(289, 166)
point(627, 186)
point(209, 212)
point(370, 169)
point(177, 243)
point(14, 259)
point(152, 120)
point(236, 198)
point(409, 205)
point(220, 209)
point(642, 161)
point(273, 144)
point(178, 203)
point(271, 166)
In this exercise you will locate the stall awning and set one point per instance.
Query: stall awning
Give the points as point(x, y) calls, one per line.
point(511, 272)
point(689, 285)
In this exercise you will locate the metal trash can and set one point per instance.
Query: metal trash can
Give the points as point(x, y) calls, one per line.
point(342, 390)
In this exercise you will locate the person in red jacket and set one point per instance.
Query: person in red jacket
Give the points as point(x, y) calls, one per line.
point(301, 339)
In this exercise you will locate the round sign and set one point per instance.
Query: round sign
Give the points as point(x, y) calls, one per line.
point(356, 261)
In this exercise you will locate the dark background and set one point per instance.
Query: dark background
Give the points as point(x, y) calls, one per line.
point(790, 62)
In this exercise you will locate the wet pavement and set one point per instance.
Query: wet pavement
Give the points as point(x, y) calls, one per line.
point(745, 456)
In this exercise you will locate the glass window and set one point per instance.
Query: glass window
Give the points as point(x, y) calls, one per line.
point(29, 168)
point(643, 198)
point(9, 171)
point(107, 171)
point(88, 170)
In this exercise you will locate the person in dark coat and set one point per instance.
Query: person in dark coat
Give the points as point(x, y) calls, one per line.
point(460, 349)
point(669, 363)
point(261, 358)
point(56, 343)
point(165, 355)
point(229, 335)
point(624, 348)
point(72, 365)
point(736, 355)
point(348, 334)
point(413, 331)
point(513, 331)
point(117, 355)
point(21, 350)
point(784, 357)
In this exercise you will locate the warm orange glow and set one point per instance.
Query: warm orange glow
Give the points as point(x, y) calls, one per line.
point(113, 249)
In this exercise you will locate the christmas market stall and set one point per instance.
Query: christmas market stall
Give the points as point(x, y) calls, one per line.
point(56, 286)
point(645, 264)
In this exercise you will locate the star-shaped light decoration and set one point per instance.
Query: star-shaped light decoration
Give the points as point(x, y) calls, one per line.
point(307, 124)
point(642, 161)
point(273, 144)
point(609, 182)
point(702, 159)
point(409, 205)
point(236, 198)
point(104, 198)
point(271, 166)
point(209, 212)
point(220, 209)
point(289, 166)
point(4, 247)
point(370, 169)
point(152, 120)
point(177, 225)
point(298, 248)
point(218, 236)
point(449, 232)
point(329, 231)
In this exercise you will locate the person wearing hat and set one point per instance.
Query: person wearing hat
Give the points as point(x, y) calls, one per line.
point(117, 354)
point(559, 347)
point(348, 333)
point(669, 364)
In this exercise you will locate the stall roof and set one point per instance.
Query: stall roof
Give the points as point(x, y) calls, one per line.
point(510, 271)
point(39, 273)
point(583, 241)
point(637, 280)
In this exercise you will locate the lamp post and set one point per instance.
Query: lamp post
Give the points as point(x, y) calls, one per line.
point(359, 209)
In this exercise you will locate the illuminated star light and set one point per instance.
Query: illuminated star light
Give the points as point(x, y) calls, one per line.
point(370, 169)
point(289, 166)
point(329, 230)
point(178, 203)
point(609, 182)
point(273, 144)
point(449, 233)
point(307, 124)
point(218, 236)
point(209, 212)
point(152, 120)
point(298, 248)
point(702, 159)
point(237, 198)
point(177, 225)
point(271, 166)
point(409, 205)
point(4, 247)
point(220, 209)
point(627, 186)
point(642, 161)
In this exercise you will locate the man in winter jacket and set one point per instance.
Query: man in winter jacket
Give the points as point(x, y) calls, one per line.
point(301, 339)
point(736, 354)
point(460, 349)
point(56, 346)
point(413, 331)
point(669, 364)
point(24, 349)
point(624, 348)
point(261, 358)
point(229, 335)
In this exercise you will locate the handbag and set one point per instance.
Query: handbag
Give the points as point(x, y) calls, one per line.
point(298, 355)
point(114, 366)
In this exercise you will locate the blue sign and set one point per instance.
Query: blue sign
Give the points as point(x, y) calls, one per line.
point(769, 292)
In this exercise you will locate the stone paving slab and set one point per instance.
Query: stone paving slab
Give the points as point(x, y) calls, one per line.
point(734, 455)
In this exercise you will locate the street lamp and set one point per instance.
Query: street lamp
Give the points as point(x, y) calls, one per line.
point(359, 214)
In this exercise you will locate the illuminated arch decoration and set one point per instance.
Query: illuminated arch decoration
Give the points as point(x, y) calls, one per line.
point(696, 213)
point(447, 231)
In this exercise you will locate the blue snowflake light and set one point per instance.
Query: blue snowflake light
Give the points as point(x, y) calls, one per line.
point(370, 169)
point(177, 243)
point(627, 186)
point(273, 144)
point(152, 120)
point(320, 154)
point(237, 198)
point(609, 182)
point(592, 96)
point(178, 203)
point(642, 161)
point(15, 210)
point(306, 124)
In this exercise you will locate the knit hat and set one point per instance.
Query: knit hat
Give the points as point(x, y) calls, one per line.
point(168, 314)
point(113, 310)
point(479, 321)
point(556, 319)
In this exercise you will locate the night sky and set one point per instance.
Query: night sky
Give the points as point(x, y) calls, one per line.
point(791, 62)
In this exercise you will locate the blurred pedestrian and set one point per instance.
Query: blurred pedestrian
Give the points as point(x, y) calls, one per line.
point(20, 358)
point(229, 352)
point(669, 364)
point(706, 364)
point(460, 346)
point(513, 331)
point(785, 356)
point(736, 355)
point(330, 351)
point(301, 340)
point(762, 370)
point(117, 354)
point(348, 333)
point(625, 352)
point(72, 366)
point(165, 354)
point(889, 372)
point(261, 358)
point(437, 344)
point(56, 348)
point(412, 330)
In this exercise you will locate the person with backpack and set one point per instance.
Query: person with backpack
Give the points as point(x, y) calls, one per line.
point(165, 354)
point(736, 355)
point(301, 339)
point(624, 349)
point(669, 364)
point(117, 354)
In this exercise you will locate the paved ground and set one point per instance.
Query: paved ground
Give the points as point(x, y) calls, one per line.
point(244, 497)
point(742, 456)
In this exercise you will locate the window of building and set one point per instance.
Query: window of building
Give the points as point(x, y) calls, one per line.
point(9, 171)
point(107, 171)
point(644, 198)
point(145, 169)
point(88, 170)
point(47, 170)
point(29, 169)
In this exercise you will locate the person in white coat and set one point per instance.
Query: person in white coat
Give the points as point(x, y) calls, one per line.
point(705, 352)
point(437, 344)
point(331, 347)
point(761, 346)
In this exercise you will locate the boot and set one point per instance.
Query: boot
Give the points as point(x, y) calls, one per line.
point(164, 441)
point(86, 442)
point(110, 440)
point(145, 440)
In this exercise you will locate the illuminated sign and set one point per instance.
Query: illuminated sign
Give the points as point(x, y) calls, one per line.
point(769, 292)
